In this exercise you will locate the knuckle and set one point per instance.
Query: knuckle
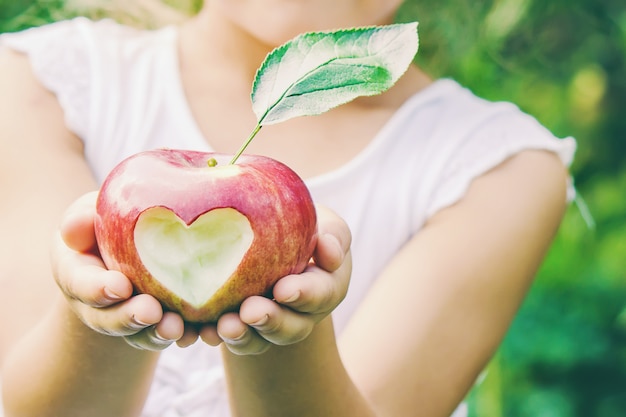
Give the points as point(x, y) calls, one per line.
point(100, 328)
point(296, 335)
point(325, 299)
point(271, 326)
point(247, 346)
point(133, 342)
point(147, 340)
point(294, 328)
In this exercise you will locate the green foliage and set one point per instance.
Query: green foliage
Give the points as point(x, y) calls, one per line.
point(563, 61)
point(21, 14)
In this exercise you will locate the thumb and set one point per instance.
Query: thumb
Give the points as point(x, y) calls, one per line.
point(334, 239)
point(77, 224)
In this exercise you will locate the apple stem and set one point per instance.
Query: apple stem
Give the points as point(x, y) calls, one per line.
point(246, 143)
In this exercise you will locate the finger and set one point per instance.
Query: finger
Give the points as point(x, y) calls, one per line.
point(315, 291)
point(125, 318)
point(209, 335)
point(147, 340)
point(189, 337)
point(157, 337)
point(97, 287)
point(172, 327)
point(334, 239)
point(274, 323)
point(238, 337)
point(328, 254)
point(76, 228)
point(83, 277)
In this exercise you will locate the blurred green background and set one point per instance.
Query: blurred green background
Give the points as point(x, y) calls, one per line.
point(563, 61)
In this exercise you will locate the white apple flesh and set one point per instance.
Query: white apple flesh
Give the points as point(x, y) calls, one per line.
point(200, 238)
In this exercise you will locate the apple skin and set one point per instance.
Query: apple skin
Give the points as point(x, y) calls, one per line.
point(270, 195)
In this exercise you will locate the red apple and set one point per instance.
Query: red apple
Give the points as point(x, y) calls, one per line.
point(203, 238)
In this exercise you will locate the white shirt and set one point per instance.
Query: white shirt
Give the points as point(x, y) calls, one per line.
point(121, 93)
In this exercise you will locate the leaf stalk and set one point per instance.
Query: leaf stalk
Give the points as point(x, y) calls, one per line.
point(245, 144)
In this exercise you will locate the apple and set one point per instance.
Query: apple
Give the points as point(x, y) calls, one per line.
point(201, 234)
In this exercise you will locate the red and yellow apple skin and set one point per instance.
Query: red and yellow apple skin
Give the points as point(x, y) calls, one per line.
point(179, 229)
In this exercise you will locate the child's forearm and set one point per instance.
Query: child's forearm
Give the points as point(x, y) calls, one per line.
point(63, 368)
point(304, 379)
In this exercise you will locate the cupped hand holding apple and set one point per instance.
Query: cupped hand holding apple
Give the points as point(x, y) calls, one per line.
point(103, 299)
point(300, 301)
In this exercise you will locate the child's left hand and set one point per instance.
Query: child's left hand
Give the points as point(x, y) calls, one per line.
point(300, 301)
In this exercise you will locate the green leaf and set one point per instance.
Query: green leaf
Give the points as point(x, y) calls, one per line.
point(317, 71)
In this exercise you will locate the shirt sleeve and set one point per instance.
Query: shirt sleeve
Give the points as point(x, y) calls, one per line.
point(60, 61)
point(111, 81)
point(499, 136)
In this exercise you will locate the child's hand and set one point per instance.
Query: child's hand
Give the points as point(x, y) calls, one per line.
point(103, 299)
point(300, 301)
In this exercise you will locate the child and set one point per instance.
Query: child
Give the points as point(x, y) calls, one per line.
point(449, 202)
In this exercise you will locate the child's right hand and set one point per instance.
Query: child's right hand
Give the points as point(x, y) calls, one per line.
point(103, 299)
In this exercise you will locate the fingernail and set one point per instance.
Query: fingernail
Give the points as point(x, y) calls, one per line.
point(263, 321)
point(235, 339)
point(293, 298)
point(158, 336)
point(135, 323)
point(108, 293)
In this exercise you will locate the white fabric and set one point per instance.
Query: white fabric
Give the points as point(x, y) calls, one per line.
point(121, 93)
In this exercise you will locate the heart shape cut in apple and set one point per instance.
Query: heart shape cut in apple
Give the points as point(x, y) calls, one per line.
point(202, 238)
point(182, 256)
